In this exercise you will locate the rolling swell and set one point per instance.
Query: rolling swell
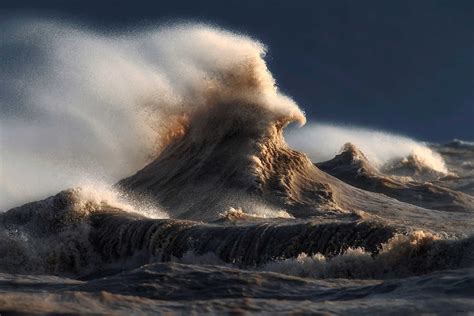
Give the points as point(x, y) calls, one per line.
point(417, 253)
point(65, 236)
point(117, 236)
point(75, 233)
point(352, 249)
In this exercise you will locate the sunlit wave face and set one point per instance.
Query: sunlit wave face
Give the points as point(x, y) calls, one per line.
point(88, 106)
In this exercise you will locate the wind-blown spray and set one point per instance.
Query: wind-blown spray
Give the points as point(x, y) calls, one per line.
point(84, 105)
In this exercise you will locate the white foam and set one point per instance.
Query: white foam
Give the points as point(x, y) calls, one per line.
point(99, 193)
point(403, 255)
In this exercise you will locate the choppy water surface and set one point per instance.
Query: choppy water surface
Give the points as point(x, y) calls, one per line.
point(223, 215)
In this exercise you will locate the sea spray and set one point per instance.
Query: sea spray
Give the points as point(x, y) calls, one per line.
point(322, 141)
point(82, 104)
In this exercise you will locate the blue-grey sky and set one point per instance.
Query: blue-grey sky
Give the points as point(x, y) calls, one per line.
point(403, 66)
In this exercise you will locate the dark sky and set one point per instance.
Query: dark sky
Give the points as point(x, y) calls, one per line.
point(404, 66)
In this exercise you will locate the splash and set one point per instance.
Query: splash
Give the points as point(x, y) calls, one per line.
point(403, 255)
point(85, 105)
point(95, 193)
point(52, 235)
point(259, 212)
point(323, 141)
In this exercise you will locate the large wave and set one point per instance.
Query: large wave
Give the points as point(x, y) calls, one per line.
point(79, 105)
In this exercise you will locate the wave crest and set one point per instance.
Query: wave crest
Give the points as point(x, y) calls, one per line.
point(101, 105)
point(323, 141)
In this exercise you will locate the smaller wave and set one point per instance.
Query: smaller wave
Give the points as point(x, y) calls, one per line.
point(52, 235)
point(103, 194)
point(259, 212)
point(413, 168)
point(460, 143)
point(417, 253)
point(403, 255)
point(323, 141)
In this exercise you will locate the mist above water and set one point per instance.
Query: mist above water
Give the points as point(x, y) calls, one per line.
point(78, 105)
point(322, 141)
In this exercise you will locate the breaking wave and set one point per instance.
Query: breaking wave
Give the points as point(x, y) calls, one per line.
point(77, 234)
point(323, 141)
point(52, 235)
point(403, 255)
point(81, 105)
point(195, 108)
